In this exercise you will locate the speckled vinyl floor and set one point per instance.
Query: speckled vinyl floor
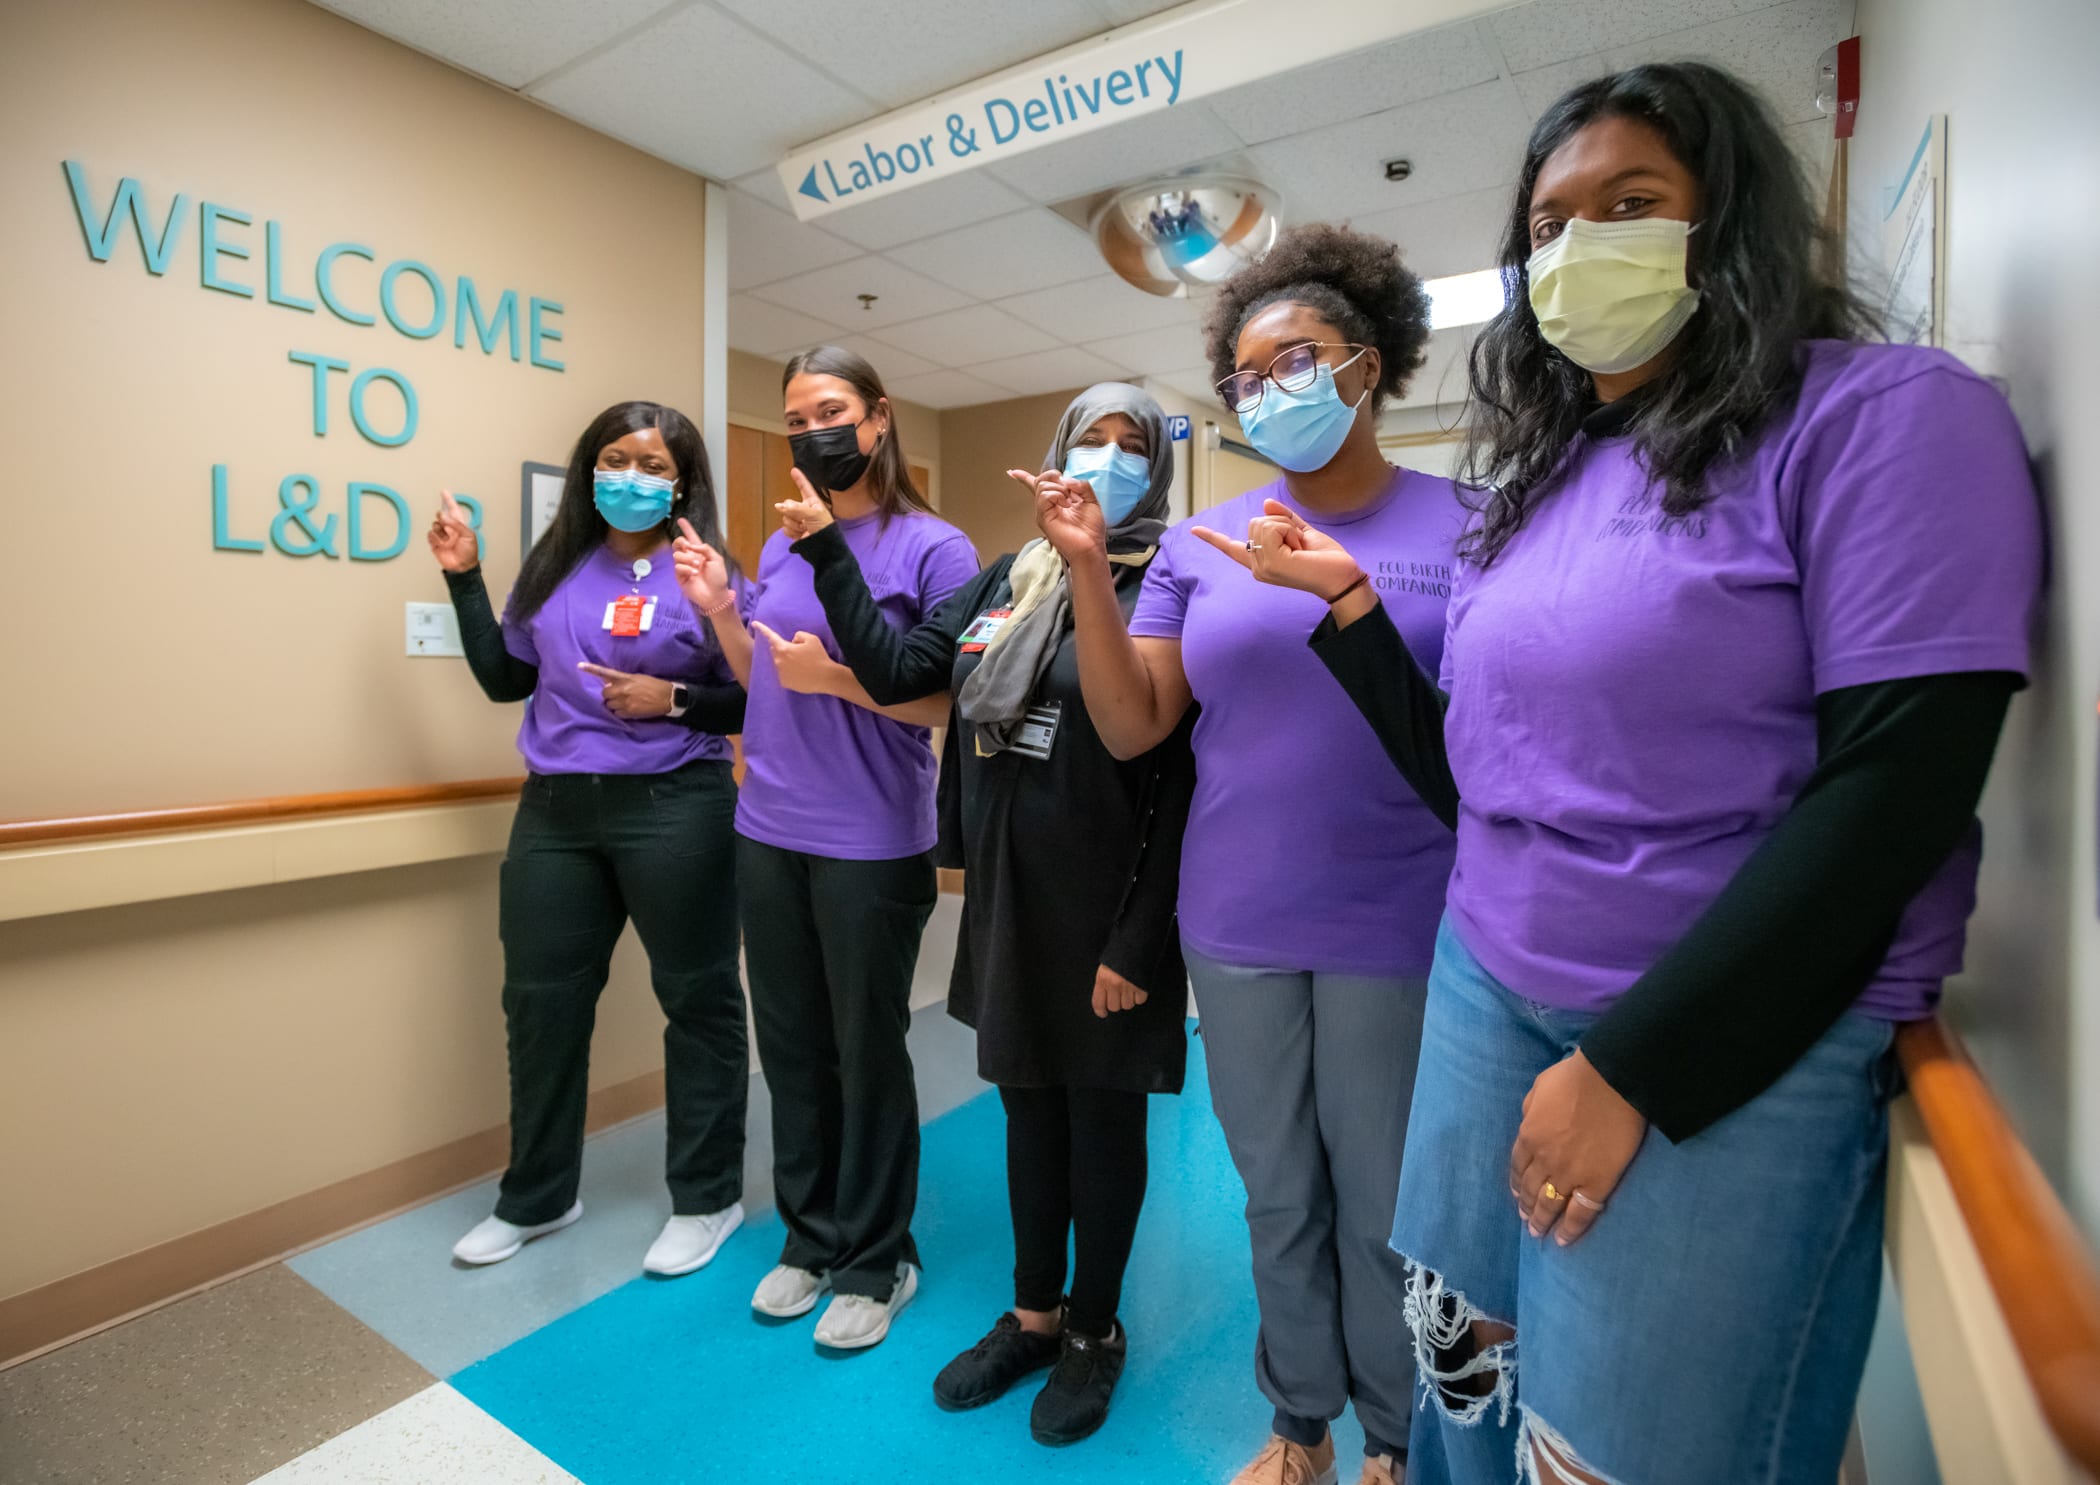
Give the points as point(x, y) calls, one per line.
point(375, 1359)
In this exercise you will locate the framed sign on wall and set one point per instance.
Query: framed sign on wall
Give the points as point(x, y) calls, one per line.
point(539, 488)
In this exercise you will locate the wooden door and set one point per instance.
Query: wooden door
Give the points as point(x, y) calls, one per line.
point(755, 482)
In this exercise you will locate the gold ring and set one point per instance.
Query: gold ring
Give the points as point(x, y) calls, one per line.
point(1550, 1192)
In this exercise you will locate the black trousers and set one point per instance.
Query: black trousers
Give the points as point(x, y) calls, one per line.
point(1075, 1167)
point(587, 852)
point(831, 946)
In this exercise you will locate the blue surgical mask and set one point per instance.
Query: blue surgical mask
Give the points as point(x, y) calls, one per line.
point(1301, 430)
point(1119, 477)
point(630, 500)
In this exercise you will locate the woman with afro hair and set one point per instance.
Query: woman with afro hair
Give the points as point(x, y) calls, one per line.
point(1312, 875)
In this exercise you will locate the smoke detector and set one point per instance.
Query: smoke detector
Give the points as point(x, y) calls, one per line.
point(1189, 231)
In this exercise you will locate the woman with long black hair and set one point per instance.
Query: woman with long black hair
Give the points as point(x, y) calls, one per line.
point(836, 830)
point(1066, 964)
point(1741, 609)
point(625, 813)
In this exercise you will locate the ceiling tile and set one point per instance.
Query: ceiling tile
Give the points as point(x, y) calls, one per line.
point(1627, 21)
point(1150, 352)
point(964, 336)
point(1195, 384)
point(1546, 31)
point(767, 329)
point(903, 53)
point(1049, 371)
point(1441, 380)
point(1542, 87)
point(833, 293)
point(511, 41)
point(765, 185)
point(765, 245)
point(703, 91)
point(1120, 154)
point(922, 211)
point(1773, 50)
point(1465, 142)
point(939, 389)
point(887, 359)
point(1455, 234)
point(1123, 12)
point(1032, 249)
point(1096, 308)
point(1405, 70)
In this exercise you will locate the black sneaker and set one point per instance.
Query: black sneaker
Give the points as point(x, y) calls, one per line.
point(983, 1373)
point(1074, 1402)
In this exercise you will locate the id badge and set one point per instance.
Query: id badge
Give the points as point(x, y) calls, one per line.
point(982, 628)
point(1038, 730)
point(629, 616)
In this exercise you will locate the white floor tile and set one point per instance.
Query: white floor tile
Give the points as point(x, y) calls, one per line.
point(436, 1437)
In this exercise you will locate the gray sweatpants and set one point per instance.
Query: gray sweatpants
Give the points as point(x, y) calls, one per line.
point(1311, 1076)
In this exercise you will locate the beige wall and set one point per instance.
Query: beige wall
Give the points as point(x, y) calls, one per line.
point(261, 673)
point(168, 1066)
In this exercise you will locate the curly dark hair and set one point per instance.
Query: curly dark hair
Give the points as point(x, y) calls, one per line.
point(1759, 261)
point(1352, 279)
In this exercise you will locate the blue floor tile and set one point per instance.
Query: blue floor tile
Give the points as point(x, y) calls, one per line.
point(666, 1382)
point(398, 1276)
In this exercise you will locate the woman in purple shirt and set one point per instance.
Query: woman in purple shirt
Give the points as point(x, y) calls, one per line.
point(1737, 623)
point(625, 814)
point(836, 830)
point(1307, 938)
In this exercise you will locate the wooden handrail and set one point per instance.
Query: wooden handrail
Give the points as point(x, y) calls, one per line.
point(2036, 1261)
point(249, 811)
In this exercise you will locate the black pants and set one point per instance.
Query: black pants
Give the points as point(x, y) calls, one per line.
point(588, 851)
point(831, 946)
point(1075, 1165)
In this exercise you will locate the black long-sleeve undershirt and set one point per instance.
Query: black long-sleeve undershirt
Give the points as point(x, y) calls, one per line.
point(716, 708)
point(892, 668)
point(1800, 930)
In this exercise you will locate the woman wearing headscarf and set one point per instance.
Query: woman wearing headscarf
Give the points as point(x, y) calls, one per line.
point(1068, 963)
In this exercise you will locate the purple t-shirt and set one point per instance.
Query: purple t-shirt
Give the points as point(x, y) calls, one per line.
point(1633, 697)
point(567, 728)
point(823, 776)
point(1305, 850)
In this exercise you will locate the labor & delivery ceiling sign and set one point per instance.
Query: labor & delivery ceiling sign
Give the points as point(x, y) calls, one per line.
point(1170, 59)
point(344, 283)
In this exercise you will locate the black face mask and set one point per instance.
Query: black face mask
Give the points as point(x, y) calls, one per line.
point(830, 458)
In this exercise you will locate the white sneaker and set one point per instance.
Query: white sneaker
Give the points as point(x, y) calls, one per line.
point(687, 1243)
point(788, 1291)
point(854, 1322)
point(494, 1239)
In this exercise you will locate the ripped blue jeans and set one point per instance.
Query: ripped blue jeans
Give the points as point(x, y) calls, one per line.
point(1712, 1326)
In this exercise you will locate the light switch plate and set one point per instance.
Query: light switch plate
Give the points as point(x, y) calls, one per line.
point(433, 629)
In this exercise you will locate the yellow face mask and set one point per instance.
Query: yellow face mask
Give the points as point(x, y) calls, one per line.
point(1610, 295)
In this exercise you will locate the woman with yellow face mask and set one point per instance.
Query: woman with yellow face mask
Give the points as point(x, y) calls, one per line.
point(1739, 613)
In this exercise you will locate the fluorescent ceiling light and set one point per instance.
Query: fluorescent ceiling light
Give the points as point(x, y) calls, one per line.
point(1464, 298)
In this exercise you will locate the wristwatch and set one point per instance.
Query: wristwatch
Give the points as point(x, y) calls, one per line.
point(681, 698)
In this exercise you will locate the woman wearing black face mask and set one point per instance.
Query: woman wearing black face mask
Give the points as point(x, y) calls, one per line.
point(835, 856)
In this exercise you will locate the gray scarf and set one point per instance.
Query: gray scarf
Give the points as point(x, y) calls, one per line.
point(996, 696)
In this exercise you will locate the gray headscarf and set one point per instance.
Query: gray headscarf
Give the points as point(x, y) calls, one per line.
point(996, 696)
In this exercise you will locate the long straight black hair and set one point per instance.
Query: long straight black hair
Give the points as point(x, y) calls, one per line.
point(578, 530)
point(894, 490)
point(1757, 261)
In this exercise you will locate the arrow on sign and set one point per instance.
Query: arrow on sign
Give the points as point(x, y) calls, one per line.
point(809, 184)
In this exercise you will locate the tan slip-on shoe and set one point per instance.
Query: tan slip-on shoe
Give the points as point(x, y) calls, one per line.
point(1282, 1462)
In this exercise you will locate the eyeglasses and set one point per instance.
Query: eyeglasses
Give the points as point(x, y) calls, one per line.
point(1294, 370)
